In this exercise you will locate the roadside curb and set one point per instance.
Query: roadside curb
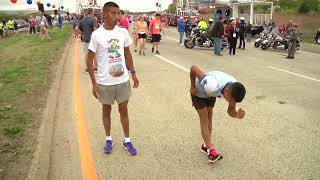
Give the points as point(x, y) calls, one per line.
point(39, 169)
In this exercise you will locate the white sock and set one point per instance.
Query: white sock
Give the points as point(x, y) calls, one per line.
point(127, 139)
point(108, 138)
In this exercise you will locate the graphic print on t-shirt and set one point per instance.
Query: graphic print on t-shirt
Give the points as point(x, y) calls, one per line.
point(114, 58)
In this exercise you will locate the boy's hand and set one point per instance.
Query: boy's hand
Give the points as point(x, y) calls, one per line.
point(240, 114)
point(193, 90)
point(95, 91)
point(135, 81)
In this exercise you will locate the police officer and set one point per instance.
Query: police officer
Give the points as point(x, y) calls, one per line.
point(293, 38)
point(242, 30)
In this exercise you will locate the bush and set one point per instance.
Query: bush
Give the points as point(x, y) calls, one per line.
point(304, 8)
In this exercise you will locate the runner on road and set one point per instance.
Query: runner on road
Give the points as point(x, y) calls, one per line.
point(110, 44)
point(155, 29)
point(205, 88)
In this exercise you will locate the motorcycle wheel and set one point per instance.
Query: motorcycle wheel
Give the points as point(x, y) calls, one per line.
point(264, 46)
point(318, 40)
point(188, 44)
point(257, 44)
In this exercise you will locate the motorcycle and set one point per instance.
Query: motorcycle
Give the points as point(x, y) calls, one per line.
point(269, 41)
point(280, 43)
point(317, 36)
point(198, 39)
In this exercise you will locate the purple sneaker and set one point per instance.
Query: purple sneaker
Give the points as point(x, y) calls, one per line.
point(108, 147)
point(129, 147)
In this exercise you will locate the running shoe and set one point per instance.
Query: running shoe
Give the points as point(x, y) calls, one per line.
point(203, 149)
point(108, 147)
point(129, 148)
point(157, 52)
point(214, 156)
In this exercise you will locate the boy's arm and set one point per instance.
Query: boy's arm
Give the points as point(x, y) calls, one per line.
point(129, 63)
point(195, 72)
point(90, 58)
point(233, 112)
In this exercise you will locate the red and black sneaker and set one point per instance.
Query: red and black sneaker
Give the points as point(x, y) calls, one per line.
point(214, 156)
point(203, 149)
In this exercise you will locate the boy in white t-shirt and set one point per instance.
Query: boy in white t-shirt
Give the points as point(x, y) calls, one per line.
point(110, 45)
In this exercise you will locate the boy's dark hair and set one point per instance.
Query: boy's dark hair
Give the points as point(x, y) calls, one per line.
point(110, 4)
point(158, 14)
point(238, 91)
point(122, 12)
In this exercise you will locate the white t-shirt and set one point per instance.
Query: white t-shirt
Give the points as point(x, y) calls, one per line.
point(109, 48)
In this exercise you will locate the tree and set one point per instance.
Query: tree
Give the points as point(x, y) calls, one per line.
point(172, 8)
point(304, 7)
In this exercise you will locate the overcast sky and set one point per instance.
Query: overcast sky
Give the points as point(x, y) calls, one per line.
point(132, 5)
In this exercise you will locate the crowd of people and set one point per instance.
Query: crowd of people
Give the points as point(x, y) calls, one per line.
point(106, 49)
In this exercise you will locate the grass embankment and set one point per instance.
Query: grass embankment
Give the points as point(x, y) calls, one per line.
point(25, 64)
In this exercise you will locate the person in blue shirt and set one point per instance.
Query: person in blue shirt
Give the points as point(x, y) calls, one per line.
point(181, 29)
point(205, 88)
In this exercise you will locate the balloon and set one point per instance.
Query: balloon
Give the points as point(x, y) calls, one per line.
point(13, 1)
point(53, 6)
point(48, 4)
point(29, 1)
point(62, 7)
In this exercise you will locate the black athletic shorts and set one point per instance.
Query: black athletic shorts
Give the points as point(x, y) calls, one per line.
point(156, 37)
point(142, 36)
point(200, 103)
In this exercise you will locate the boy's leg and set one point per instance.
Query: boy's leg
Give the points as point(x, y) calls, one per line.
point(106, 118)
point(210, 112)
point(204, 124)
point(123, 110)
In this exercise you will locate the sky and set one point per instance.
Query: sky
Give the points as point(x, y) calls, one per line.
point(131, 5)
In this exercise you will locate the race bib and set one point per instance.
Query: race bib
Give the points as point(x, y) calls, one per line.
point(157, 26)
point(234, 35)
point(42, 23)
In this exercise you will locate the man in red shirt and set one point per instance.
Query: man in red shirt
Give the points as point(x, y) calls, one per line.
point(123, 21)
point(155, 29)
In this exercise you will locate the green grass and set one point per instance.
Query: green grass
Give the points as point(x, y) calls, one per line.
point(25, 63)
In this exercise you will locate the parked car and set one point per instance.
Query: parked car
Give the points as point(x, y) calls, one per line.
point(317, 36)
point(22, 25)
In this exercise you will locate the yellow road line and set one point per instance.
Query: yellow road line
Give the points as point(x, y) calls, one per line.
point(87, 162)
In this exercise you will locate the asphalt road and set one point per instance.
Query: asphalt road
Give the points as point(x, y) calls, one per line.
point(278, 139)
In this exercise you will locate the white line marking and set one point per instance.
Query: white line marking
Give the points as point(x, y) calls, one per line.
point(308, 52)
point(294, 73)
point(176, 65)
point(172, 39)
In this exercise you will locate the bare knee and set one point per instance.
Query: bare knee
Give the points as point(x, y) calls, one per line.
point(106, 109)
point(123, 108)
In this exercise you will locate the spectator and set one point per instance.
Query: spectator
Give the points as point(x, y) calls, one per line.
point(60, 21)
point(233, 38)
point(32, 24)
point(188, 27)
point(249, 31)
point(49, 20)
point(85, 27)
point(282, 29)
point(11, 26)
point(217, 31)
point(181, 29)
point(123, 21)
point(289, 27)
point(42, 24)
